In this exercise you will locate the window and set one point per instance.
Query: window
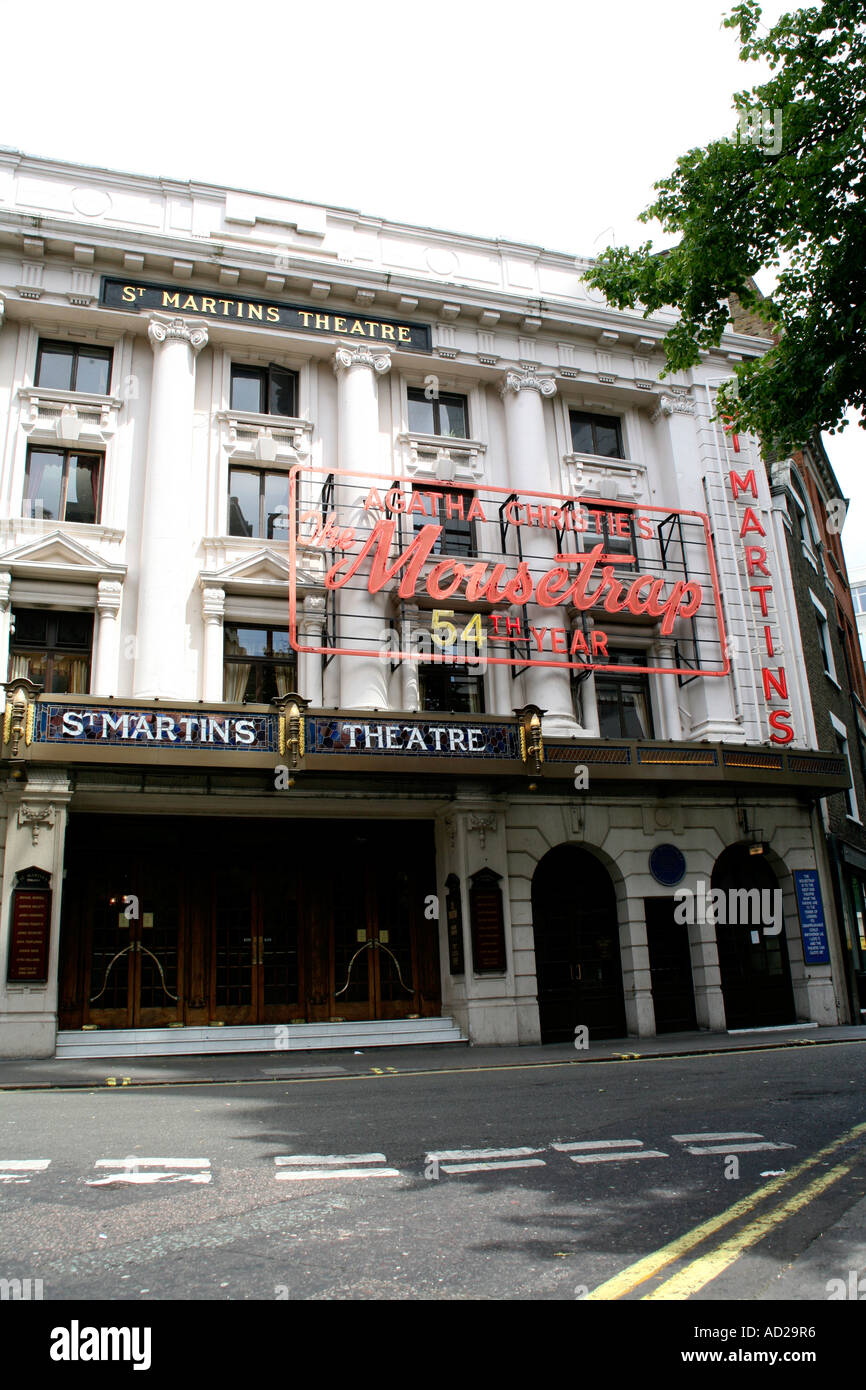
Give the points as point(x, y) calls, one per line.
point(841, 735)
point(624, 709)
point(445, 414)
point(449, 506)
point(615, 526)
point(451, 690)
point(264, 390)
point(824, 638)
point(858, 598)
point(63, 485)
point(73, 367)
point(596, 434)
point(52, 649)
point(259, 664)
point(258, 503)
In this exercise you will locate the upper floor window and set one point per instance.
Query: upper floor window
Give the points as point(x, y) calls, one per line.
point(258, 503)
point(858, 599)
point(450, 689)
point(259, 664)
point(624, 709)
point(596, 434)
point(264, 390)
point(52, 649)
point(63, 485)
point(449, 507)
point(444, 414)
point(73, 367)
point(615, 527)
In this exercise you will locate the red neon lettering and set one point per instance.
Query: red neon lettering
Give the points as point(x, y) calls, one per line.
point(762, 589)
point(777, 721)
point(768, 638)
point(756, 559)
point(739, 484)
point(539, 637)
point(751, 522)
point(779, 683)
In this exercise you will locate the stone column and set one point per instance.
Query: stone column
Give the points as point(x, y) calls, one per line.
point(361, 617)
point(106, 647)
point(410, 684)
point(213, 607)
point(663, 654)
point(2, 310)
point(310, 663)
point(522, 392)
point(588, 701)
point(161, 660)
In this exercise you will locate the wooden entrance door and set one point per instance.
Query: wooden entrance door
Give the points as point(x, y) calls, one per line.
point(130, 920)
point(384, 952)
point(577, 958)
point(255, 950)
point(670, 967)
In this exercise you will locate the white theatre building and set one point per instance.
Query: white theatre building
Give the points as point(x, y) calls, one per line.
point(385, 644)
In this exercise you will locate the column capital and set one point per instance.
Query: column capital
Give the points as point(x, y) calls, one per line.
point(162, 329)
point(213, 604)
point(108, 595)
point(5, 589)
point(527, 381)
point(361, 356)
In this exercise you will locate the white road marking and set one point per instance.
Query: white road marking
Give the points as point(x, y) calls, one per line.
point(735, 1148)
point(443, 1155)
point(130, 1170)
point(310, 1174)
point(731, 1142)
point(18, 1169)
point(318, 1167)
point(724, 1134)
point(617, 1157)
point(298, 1159)
point(599, 1144)
point(490, 1167)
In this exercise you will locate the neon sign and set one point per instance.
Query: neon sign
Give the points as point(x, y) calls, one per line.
point(520, 571)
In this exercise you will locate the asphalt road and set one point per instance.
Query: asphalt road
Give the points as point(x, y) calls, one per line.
point(705, 1178)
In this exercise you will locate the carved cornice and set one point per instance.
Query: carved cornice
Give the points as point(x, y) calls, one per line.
point(37, 816)
point(346, 357)
point(171, 330)
point(527, 381)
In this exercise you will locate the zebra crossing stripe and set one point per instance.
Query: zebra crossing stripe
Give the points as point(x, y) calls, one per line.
point(457, 1155)
point(324, 1167)
point(611, 1156)
point(599, 1144)
point(732, 1142)
point(20, 1169)
point(136, 1171)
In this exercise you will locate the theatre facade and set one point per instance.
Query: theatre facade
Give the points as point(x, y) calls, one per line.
point(390, 653)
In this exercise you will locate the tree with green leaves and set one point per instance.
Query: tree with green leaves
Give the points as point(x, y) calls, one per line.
point(786, 192)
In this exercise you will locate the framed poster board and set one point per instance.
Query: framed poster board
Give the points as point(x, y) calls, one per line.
point(454, 918)
point(30, 928)
point(487, 921)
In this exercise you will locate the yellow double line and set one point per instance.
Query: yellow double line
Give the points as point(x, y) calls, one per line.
point(706, 1267)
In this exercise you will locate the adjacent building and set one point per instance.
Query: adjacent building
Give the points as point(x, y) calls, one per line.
point(390, 652)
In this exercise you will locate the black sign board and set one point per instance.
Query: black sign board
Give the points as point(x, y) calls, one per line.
point(488, 923)
point(31, 925)
point(454, 915)
point(135, 295)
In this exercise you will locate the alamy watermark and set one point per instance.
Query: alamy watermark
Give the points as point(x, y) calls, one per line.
point(749, 907)
point(760, 126)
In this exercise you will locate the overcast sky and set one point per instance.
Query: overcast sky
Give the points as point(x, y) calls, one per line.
point(546, 124)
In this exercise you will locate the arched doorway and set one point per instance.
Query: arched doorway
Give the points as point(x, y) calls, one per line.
point(577, 958)
point(756, 974)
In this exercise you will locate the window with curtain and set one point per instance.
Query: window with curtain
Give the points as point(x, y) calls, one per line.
point(259, 664)
point(624, 708)
point(53, 649)
point(63, 485)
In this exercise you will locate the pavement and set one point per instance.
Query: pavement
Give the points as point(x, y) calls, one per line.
point(27, 1074)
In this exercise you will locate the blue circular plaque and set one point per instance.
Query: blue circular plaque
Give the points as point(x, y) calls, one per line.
point(667, 864)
